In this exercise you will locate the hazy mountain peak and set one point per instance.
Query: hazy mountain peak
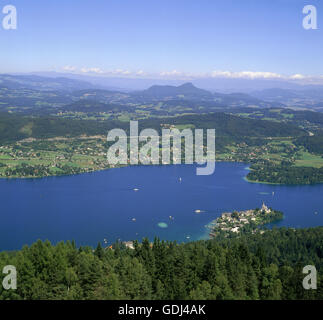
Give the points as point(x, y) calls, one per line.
point(187, 85)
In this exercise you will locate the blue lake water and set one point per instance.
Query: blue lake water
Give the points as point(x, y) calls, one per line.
point(94, 206)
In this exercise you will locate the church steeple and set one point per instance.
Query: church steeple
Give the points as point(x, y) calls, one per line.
point(264, 208)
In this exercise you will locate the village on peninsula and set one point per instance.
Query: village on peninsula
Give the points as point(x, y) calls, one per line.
point(242, 222)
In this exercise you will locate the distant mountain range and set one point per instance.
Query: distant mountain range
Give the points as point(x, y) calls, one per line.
point(43, 83)
point(213, 84)
point(186, 90)
point(307, 96)
point(45, 93)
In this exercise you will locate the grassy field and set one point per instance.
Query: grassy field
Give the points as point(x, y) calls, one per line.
point(86, 154)
point(89, 154)
point(309, 160)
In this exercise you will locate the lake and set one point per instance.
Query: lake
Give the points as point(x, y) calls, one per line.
point(142, 201)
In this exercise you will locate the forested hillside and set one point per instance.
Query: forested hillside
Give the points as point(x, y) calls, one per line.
point(312, 143)
point(267, 266)
point(16, 127)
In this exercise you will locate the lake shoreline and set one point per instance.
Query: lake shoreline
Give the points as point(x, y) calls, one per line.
point(126, 166)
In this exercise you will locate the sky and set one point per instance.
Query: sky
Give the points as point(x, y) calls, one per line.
point(165, 38)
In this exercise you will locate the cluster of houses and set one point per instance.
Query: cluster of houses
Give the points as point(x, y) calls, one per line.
point(234, 221)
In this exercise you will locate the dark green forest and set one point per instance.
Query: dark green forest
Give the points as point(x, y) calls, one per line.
point(285, 173)
point(16, 127)
point(313, 143)
point(266, 266)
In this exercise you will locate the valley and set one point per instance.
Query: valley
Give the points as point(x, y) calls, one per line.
point(57, 126)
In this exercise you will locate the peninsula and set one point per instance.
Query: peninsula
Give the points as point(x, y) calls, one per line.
point(244, 222)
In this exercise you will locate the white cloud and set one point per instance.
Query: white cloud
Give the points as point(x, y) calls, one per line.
point(297, 76)
point(223, 74)
point(97, 70)
point(246, 75)
point(180, 75)
point(91, 70)
point(69, 68)
point(171, 73)
point(141, 73)
point(121, 72)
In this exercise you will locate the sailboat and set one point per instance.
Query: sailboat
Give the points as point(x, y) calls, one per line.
point(180, 179)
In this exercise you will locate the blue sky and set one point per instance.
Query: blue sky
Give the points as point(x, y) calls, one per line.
point(157, 37)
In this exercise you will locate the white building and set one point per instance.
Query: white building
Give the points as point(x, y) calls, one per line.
point(236, 229)
point(265, 209)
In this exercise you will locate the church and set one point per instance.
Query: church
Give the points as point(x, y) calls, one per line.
point(264, 208)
